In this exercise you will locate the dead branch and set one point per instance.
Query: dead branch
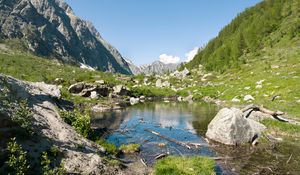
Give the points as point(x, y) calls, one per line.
point(167, 138)
point(160, 156)
point(144, 163)
point(278, 115)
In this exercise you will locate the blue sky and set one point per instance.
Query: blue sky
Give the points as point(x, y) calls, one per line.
point(146, 30)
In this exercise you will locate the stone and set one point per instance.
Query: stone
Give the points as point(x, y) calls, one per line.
point(158, 83)
point(230, 127)
point(179, 98)
point(259, 86)
point(94, 95)
point(51, 90)
point(101, 82)
point(76, 88)
point(166, 84)
point(100, 108)
point(59, 81)
point(121, 90)
point(235, 100)
point(134, 101)
point(247, 88)
point(249, 98)
point(102, 90)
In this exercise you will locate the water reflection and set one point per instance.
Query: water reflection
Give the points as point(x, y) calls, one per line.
point(181, 121)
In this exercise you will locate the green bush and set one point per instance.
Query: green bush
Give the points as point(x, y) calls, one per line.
point(185, 166)
point(80, 122)
point(46, 166)
point(22, 115)
point(17, 161)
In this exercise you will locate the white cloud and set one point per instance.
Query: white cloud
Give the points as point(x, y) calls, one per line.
point(168, 59)
point(191, 54)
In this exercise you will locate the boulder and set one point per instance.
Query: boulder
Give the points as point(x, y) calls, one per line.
point(235, 100)
point(76, 88)
point(249, 98)
point(94, 95)
point(102, 90)
point(121, 90)
point(230, 127)
point(100, 82)
point(158, 83)
point(51, 90)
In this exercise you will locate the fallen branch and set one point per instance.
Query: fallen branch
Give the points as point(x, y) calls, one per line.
point(160, 156)
point(167, 138)
point(276, 115)
point(184, 144)
point(144, 163)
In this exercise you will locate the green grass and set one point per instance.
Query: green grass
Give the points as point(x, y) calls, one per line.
point(185, 166)
point(109, 147)
point(282, 128)
point(130, 148)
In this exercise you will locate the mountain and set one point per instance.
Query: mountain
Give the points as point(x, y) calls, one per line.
point(50, 28)
point(267, 24)
point(156, 67)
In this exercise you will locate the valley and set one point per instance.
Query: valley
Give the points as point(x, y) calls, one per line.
point(112, 117)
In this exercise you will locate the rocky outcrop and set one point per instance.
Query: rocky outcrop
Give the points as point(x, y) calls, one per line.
point(50, 28)
point(121, 90)
point(89, 90)
point(230, 127)
point(79, 154)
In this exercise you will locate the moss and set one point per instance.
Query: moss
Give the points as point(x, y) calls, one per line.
point(185, 166)
point(130, 148)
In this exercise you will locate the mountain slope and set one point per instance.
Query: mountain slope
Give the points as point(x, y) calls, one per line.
point(157, 67)
point(267, 24)
point(50, 28)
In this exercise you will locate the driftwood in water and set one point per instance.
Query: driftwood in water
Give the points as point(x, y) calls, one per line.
point(188, 145)
point(277, 115)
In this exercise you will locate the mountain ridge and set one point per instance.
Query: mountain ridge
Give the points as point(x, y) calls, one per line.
point(50, 28)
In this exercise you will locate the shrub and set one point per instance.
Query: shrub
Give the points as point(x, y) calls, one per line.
point(81, 123)
point(46, 166)
point(185, 166)
point(17, 161)
point(22, 115)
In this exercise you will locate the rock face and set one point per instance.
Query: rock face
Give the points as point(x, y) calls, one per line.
point(230, 127)
point(89, 90)
point(51, 130)
point(50, 28)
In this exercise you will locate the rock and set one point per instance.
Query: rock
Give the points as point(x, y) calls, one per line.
point(166, 84)
point(188, 98)
point(258, 116)
point(76, 88)
point(206, 76)
point(142, 99)
point(102, 90)
point(248, 98)
point(59, 81)
point(94, 95)
point(100, 108)
point(259, 86)
point(134, 101)
point(158, 83)
point(230, 127)
point(100, 82)
point(121, 90)
point(247, 88)
point(179, 98)
point(51, 90)
point(51, 131)
point(298, 101)
point(235, 100)
point(185, 73)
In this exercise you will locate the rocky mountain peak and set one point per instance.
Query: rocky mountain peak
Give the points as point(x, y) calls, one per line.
point(50, 28)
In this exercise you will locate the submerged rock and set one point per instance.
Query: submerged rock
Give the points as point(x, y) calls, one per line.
point(230, 127)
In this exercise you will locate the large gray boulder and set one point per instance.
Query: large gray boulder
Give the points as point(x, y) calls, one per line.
point(230, 127)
